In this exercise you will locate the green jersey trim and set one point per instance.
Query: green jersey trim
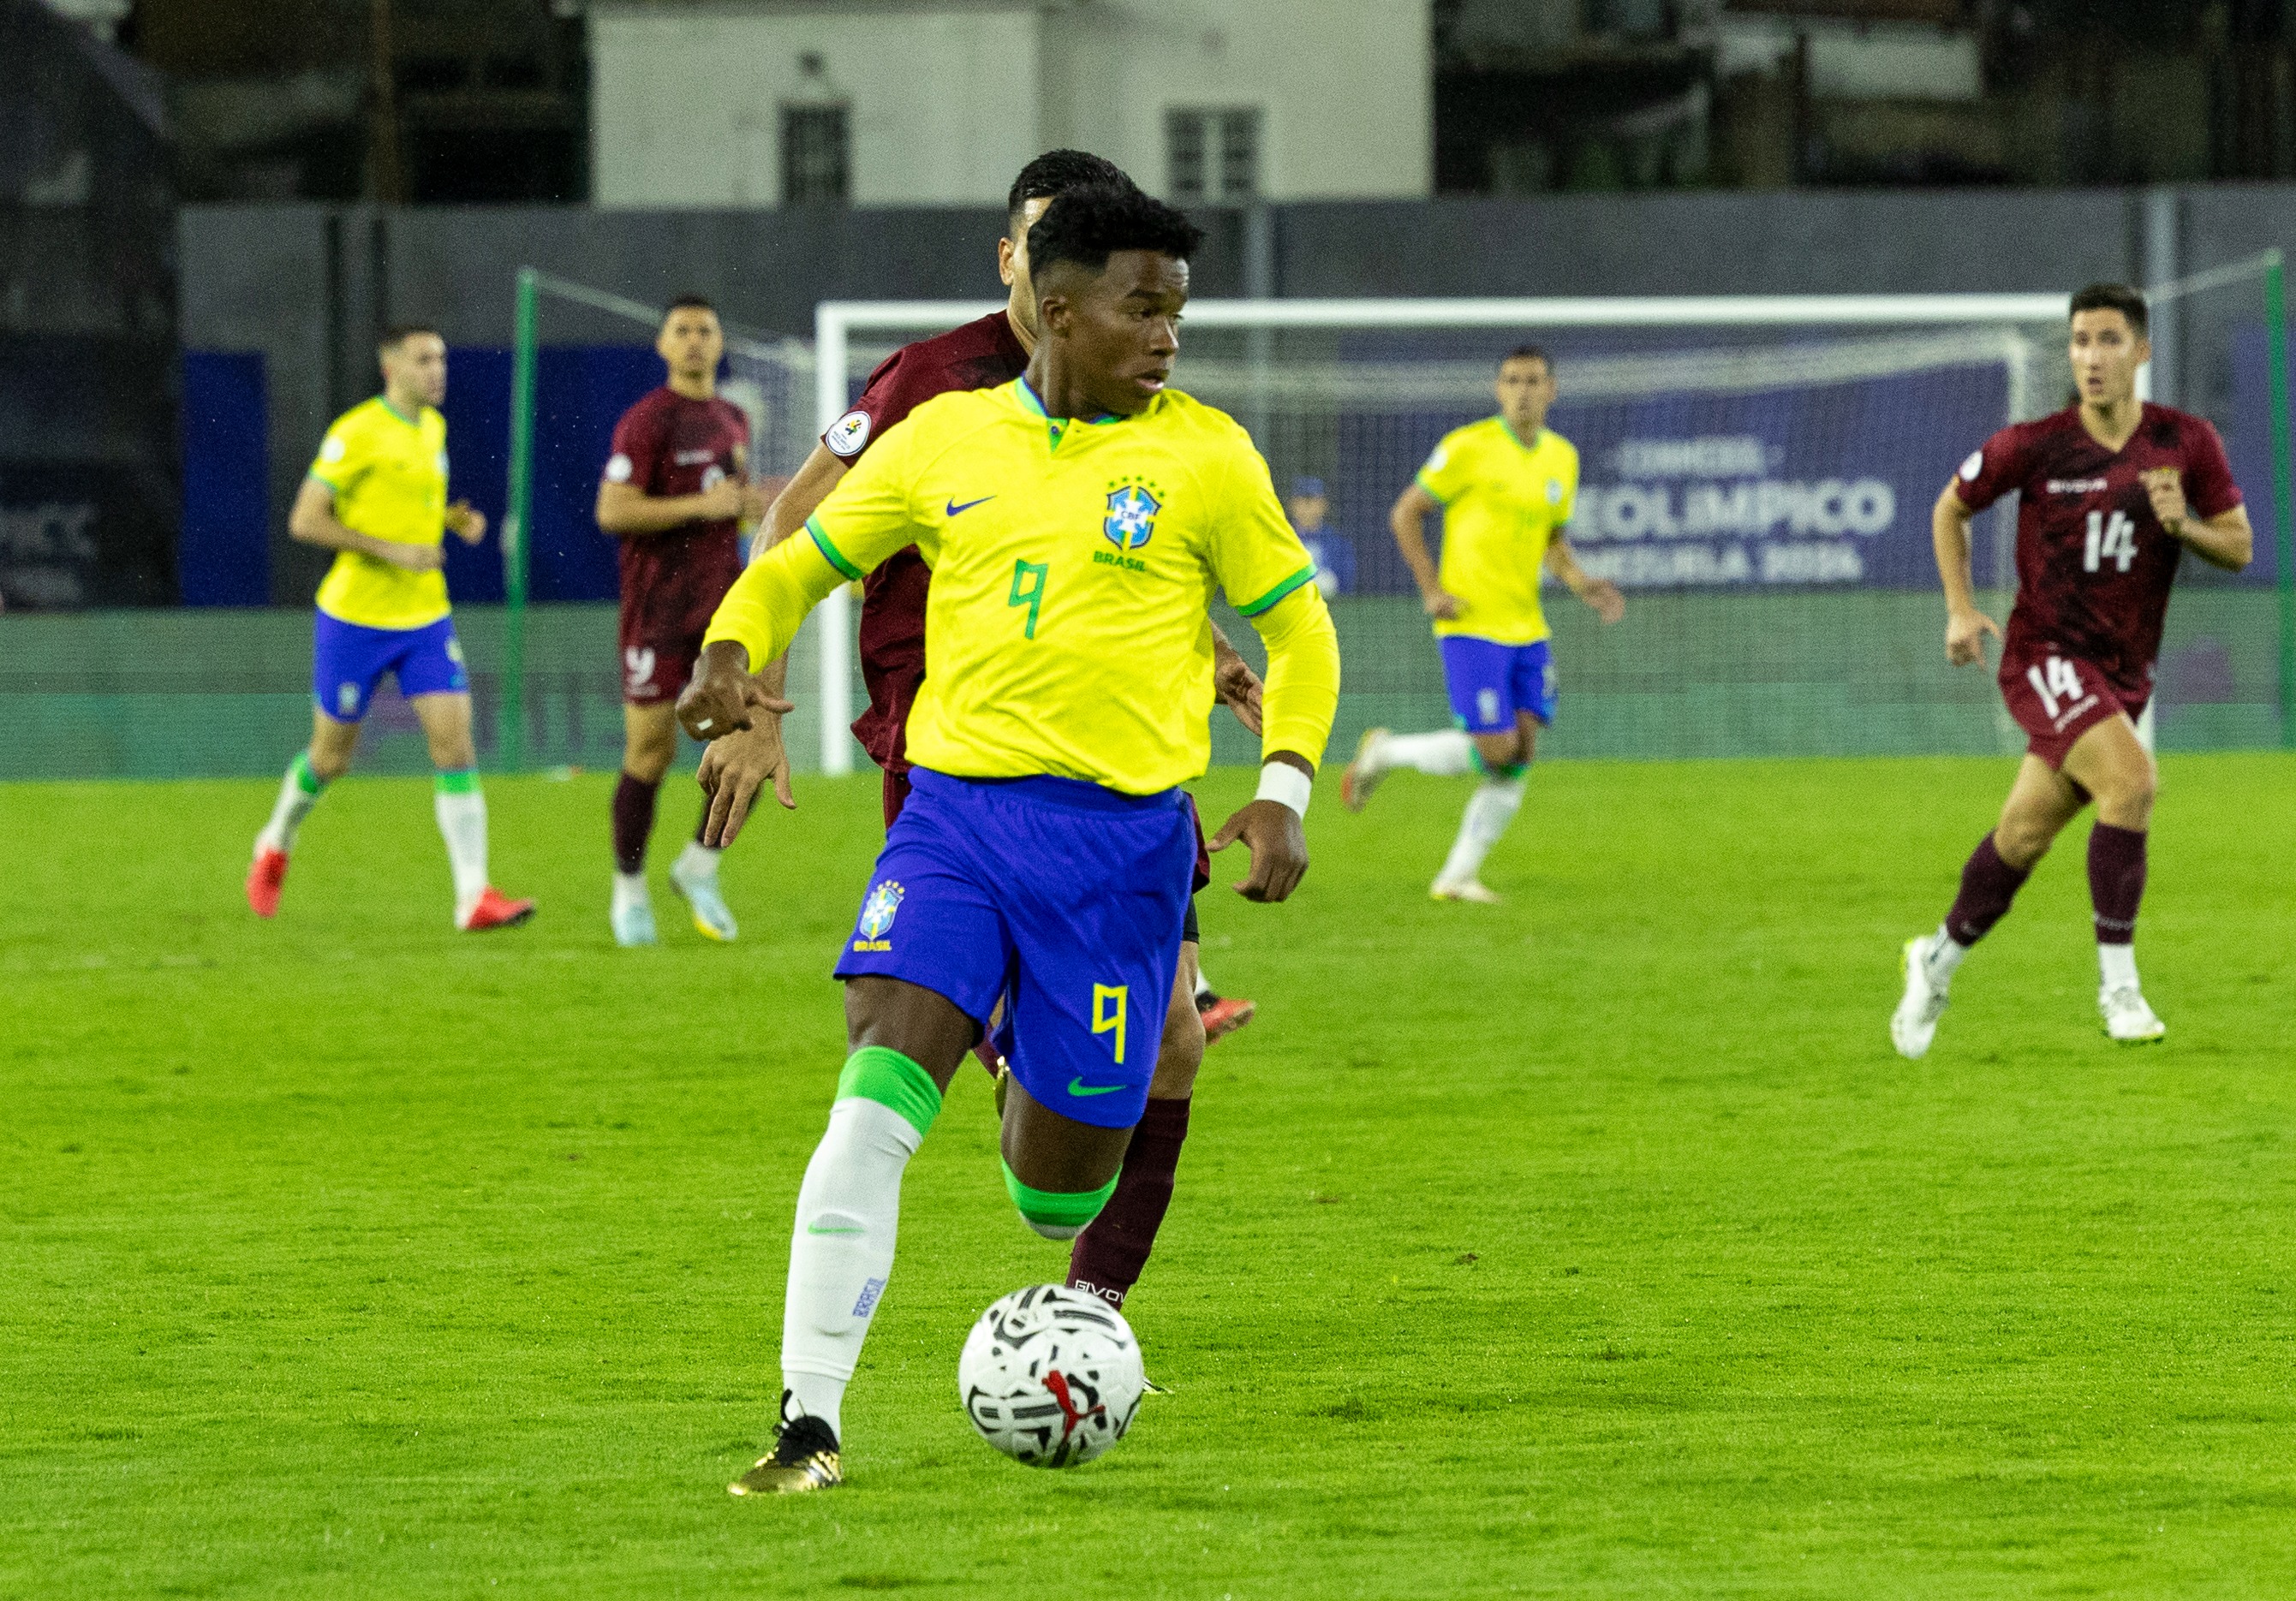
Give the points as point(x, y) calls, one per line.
point(830, 553)
point(1306, 574)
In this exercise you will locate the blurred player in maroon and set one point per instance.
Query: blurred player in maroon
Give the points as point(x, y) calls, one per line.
point(674, 491)
point(1110, 1254)
point(2111, 493)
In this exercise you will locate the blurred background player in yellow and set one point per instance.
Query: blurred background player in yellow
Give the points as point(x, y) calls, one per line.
point(675, 492)
point(377, 497)
point(1505, 486)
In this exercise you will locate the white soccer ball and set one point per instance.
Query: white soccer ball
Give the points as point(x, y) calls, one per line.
point(1050, 1375)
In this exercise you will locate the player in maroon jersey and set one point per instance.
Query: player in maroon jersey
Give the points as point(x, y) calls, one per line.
point(2112, 492)
point(674, 490)
point(1110, 1254)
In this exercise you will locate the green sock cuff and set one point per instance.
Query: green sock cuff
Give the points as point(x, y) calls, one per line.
point(463, 780)
point(1061, 1209)
point(1509, 770)
point(308, 782)
point(882, 1075)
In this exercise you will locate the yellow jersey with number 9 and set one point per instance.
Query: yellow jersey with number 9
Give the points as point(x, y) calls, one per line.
point(1065, 630)
point(388, 476)
point(1502, 501)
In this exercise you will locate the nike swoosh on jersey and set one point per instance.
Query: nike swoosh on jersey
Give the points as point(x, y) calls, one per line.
point(1077, 1086)
point(953, 508)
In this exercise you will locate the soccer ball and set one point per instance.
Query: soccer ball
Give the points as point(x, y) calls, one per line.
point(1050, 1375)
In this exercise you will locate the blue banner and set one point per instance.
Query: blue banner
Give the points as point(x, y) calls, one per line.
point(1827, 484)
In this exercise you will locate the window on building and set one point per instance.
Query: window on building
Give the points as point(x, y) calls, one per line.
point(816, 164)
point(1211, 155)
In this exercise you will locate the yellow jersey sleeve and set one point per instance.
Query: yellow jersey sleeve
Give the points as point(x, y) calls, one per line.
point(1566, 473)
point(1450, 467)
point(1302, 693)
point(1255, 556)
point(863, 521)
point(343, 458)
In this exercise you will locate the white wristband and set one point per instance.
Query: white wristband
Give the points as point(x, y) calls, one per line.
point(1282, 782)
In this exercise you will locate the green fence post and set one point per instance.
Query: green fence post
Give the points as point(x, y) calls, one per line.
point(2284, 525)
point(511, 744)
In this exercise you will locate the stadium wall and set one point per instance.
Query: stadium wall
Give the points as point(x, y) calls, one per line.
point(305, 286)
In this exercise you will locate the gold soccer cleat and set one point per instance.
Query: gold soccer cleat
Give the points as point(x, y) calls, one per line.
point(804, 1459)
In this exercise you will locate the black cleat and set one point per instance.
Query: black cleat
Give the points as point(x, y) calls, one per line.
point(805, 1458)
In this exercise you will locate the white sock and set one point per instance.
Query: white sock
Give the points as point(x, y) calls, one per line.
point(298, 792)
point(629, 890)
point(696, 861)
point(462, 812)
point(848, 1210)
point(1944, 954)
point(1489, 810)
point(2116, 967)
point(1203, 985)
point(1445, 754)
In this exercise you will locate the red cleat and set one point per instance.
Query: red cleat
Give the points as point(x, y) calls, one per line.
point(1222, 1015)
point(494, 909)
point(263, 877)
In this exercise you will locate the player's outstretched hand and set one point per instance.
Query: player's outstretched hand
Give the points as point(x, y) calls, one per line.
point(1603, 596)
point(468, 523)
point(1441, 604)
point(1965, 635)
point(721, 696)
point(1236, 684)
point(734, 771)
point(1271, 832)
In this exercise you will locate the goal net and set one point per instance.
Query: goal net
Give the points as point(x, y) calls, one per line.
point(1755, 473)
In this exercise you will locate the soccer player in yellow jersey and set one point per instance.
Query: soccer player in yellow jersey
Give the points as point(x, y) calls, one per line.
point(377, 497)
point(1505, 486)
point(1076, 520)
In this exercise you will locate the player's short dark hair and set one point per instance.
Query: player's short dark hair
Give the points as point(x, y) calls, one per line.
point(1529, 353)
point(1056, 172)
point(1088, 225)
point(2114, 297)
point(398, 333)
point(689, 303)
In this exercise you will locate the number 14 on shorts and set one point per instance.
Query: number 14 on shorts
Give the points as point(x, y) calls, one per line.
point(2060, 684)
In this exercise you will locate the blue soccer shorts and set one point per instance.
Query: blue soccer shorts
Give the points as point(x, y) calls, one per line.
point(1060, 898)
point(1489, 682)
point(349, 660)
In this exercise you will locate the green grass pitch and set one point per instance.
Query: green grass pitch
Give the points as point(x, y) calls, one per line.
point(1594, 1245)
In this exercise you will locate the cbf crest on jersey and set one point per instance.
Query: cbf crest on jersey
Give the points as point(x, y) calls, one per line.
point(1131, 519)
point(877, 912)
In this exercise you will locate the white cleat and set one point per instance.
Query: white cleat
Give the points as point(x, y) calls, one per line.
point(1361, 777)
point(2127, 1019)
point(712, 916)
point(1466, 889)
point(634, 924)
point(1913, 1024)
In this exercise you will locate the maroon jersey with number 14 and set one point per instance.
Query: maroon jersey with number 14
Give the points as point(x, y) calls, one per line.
point(2094, 564)
point(666, 445)
point(977, 355)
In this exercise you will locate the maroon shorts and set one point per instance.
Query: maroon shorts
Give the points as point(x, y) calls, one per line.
point(655, 667)
point(897, 795)
point(2056, 698)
